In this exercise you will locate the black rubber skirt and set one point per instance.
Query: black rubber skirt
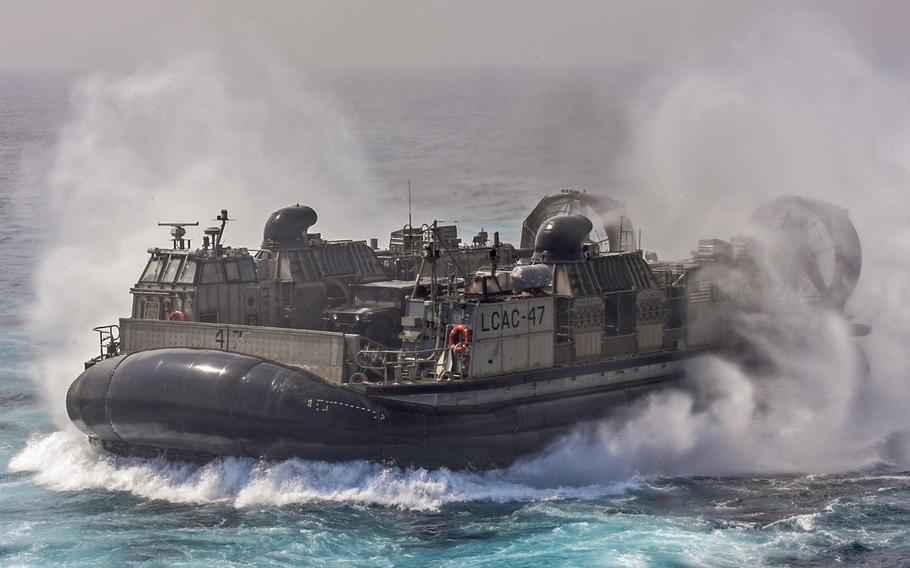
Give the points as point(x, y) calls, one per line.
point(200, 404)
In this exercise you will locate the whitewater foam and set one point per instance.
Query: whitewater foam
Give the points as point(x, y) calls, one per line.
point(65, 461)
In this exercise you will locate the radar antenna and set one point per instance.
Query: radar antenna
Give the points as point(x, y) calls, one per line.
point(177, 233)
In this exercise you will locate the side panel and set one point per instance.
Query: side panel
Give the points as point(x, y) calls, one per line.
point(515, 353)
point(587, 317)
point(517, 317)
point(486, 358)
point(540, 350)
point(512, 354)
point(588, 345)
point(512, 336)
point(320, 352)
point(651, 309)
point(650, 337)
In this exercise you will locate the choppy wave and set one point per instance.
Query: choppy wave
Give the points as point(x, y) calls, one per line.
point(65, 461)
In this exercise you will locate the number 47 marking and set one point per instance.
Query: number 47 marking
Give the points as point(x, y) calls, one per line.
point(223, 343)
point(535, 316)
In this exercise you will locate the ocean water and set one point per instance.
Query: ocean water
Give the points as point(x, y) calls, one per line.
point(480, 146)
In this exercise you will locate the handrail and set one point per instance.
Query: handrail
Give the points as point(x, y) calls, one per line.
point(433, 353)
point(109, 330)
point(383, 362)
point(109, 343)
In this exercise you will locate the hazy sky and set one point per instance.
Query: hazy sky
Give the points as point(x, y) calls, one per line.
point(111, 34)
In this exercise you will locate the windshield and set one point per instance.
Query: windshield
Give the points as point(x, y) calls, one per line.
point(374, 294)
point(211, 273)
point(233, 273)
point(173, 265)
point(247, 272)
point(152, 270)
point(189, 272)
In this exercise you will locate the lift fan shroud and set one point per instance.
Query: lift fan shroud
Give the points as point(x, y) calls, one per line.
point(812, 247)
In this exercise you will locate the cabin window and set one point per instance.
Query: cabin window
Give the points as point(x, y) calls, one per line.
point(189, 272)
point(233, 273)
point(173, 267)
point(247, 271)
point(211, 273)
point(152, 270)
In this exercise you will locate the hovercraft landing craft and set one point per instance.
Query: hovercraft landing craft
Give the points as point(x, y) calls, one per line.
point(430, 353)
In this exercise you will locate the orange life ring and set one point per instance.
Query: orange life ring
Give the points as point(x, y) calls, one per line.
point(176, 315)
point(460, 343)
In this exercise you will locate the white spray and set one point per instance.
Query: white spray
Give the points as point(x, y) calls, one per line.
point(792, 109)
point(178, 142)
